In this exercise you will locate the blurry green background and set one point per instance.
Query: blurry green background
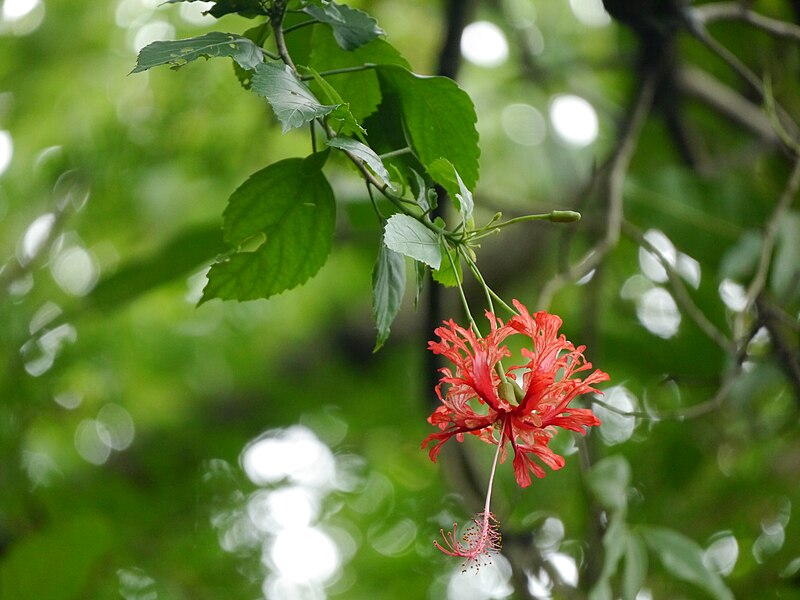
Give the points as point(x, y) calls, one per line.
point(151, 449)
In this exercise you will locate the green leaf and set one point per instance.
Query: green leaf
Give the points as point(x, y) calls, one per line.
point(186, 251)
point(614, 542)
point(406, 235)
point(246, 8)
point(445, 274)
point(351, 28)
point(292, 102)
point(56, 563)
point(783, 279)
point(363, 152)
point(211, 45)
point(258, 36)
point(388, 286)
point(439, 119)
point(443, 172)
point(419, 275)
point(360, 89)
point(609, 480)
point(341, 116)
point(289, 205)
point(683, 557)
point(635, 570)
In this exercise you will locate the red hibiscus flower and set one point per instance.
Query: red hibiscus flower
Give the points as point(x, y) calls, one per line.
point(525, 405)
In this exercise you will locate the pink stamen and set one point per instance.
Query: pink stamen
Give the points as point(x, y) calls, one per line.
point(481, 538)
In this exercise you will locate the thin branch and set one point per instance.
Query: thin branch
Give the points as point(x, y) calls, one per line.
point(770, 236)
point(617, 170)
point(699, 84)
point(735, 11)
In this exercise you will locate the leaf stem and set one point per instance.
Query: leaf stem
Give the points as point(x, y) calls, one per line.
point(343, 70)
point(297, 26)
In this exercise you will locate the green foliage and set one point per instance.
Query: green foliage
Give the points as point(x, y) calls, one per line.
point(164, 152)
point(291, 205)
point(352, 28)
point(406, 235)
point(438, 117)
point(246, 8)
point(683, 558)
point(292, 101)
point(211, 45)
point(360, 90)
point(364, 153)
point(388, 286)
point(58, 562)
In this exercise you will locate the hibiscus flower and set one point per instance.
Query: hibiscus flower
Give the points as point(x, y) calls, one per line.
point(520, 407)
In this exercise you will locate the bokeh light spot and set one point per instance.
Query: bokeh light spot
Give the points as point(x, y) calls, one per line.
point(574, 119)
point(484, 44)
point(658, 312)
point(6, 150)
point(524, 124)
point(590, 12)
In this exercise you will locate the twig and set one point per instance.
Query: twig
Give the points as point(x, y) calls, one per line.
point(617, 170)
point(734, 11)
point(701, 85)
point(770, 235)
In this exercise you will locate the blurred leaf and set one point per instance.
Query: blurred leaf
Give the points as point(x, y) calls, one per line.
point(635, 570)
point(609, 480)
point(55, 563)
point(785, 265)
point(443, 172)
point(289, 203)
point(408, 236)
point(741, 260)
point(439, 119)
point(388, 286)
point(186, 251)
point(683, 557)
point(363, 152)
point(360, 90)
point(445, 274)
point(211, 45)
point(246, 8)
point(292, 102)
point(419, 275)
point(352, 28)
point(614, 542)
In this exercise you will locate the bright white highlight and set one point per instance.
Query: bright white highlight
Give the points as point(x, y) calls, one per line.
point(304, 554)
point(524, 124)
point(590, 12)
point(658, 312)
point(490, 582)
point(484, 44)
point(294, 453)
point(75, 271)
point(574, 120)
point(733, 295)
point(192, 13)
point(36, 235)
point(722, 554)
point(652, 263)
point(614, 427)
point(6, 150)
point(23, 16)
point(152, 32)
